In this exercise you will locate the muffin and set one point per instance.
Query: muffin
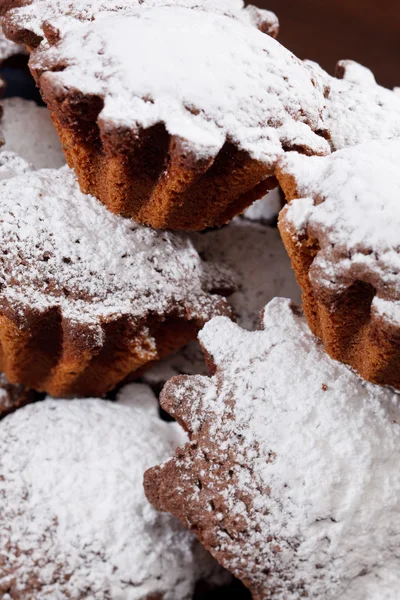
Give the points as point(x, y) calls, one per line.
point(30, 134)
point(88, 297)
point(290, 478)
point(75, 523)
point(340, 229)
point(179, 139)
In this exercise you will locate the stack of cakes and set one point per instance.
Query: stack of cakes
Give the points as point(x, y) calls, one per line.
point(174, 117)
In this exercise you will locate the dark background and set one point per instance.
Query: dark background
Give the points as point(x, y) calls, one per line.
point(367, 31)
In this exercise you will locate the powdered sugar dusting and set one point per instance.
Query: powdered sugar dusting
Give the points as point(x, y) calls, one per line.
point(349, 202)
point(75, 520)
point(29, 132)
point(266, 209)
point(309, 507)
point(32, 16)
point(12, 165)
point(65, 249)
point(185, 79)
point(358, 110)
point(258, 257)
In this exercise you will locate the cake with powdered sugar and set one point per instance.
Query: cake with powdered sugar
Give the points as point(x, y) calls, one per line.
point(177, 139)
point(88, 297)
point(357, 110)
point(341, 231)
point(25, 19)
point(290, 477)
point(75, 522)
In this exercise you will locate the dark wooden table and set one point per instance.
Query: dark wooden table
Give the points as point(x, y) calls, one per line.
point(328, 30)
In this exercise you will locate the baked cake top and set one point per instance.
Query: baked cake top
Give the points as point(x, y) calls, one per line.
point(62, 248)
point(348, 202)
point(358, 110)
point(25, 21)
point(75, 519)
point(184, 79)
point(292, 457)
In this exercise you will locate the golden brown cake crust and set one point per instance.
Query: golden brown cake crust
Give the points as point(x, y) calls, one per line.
point(342, 285)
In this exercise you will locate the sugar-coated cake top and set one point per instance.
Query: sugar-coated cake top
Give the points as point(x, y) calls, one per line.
point(297, 459)
point(349, 202)
point(75, 520)
point(29, 132)
point(358, 110)
point(31, 16)
point(62, 248)
point(184, 78)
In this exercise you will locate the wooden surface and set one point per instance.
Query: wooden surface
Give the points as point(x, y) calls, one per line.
point(328, 30)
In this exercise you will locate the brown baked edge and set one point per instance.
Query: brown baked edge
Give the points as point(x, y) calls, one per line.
point(48, 353)
point(150, 176)
point(350, 332)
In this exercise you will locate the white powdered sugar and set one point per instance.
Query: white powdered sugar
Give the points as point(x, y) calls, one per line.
point(32, 16)
point(258, 257)
point(29, 132)
point(349, 202)
point(8, 48)
point(358, 110)
point(62, 248)
point(312, 450)
point(266, 209)
point(75, 521)
point(12, 165)
point(184, 79)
